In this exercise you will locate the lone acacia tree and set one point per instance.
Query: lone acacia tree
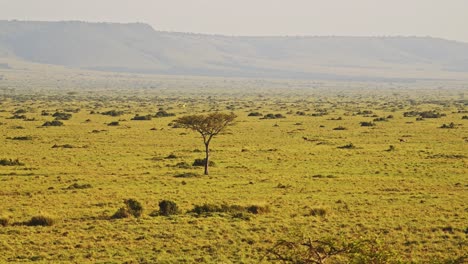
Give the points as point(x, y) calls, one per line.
point(208, 126)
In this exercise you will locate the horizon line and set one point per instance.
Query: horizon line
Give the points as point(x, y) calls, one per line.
point(231, 35)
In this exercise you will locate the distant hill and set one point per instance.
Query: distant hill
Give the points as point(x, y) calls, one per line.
point(139, 48)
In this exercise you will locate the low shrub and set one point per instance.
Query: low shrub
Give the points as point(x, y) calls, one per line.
point(340, 128)
point(20, 111)
point(449, 126)
point(391, 148)
point(114, 123)
point(132, 208)
point(4, 221)
point(22, 138)
point(233, 210)
point(348, 146)
point(10, 162)
point(142, 118)
point(121, 213)
point(171, 156)
point(318, 212)
point(61, 116)
point(79, 186)
point(113, 113)
point(367, 124)
point(273, 116)
point(167, 208)
point(380, 119)
point(186, 175)
point(183, 165)
point(201, 163)
point(53, 123)
point(424, 114)
point(41, 220)
point(63, 146)
point(163, 113)
point(255, 114)
point(17, 117)
point(256, 209)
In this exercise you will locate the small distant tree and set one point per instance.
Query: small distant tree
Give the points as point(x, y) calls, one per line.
point(208, 126)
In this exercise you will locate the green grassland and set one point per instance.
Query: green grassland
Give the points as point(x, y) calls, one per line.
point(410, 197)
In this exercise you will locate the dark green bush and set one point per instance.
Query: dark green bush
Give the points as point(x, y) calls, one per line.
point(273, 116)
point(424, 114)
point(10, 162)
point(201, 163)
point(79, 186)
point(318, 212)
point(63, 146)
point(113, 113)
point(53, 123)
point(17, 117)
point(255, 114)
point(163, 113)
point(367, 124)
point(449, 126)
point(364, 112)
point(183, 165)
point(142, 118)
point(20, 111)
point(114, 123)
point(340, 128)
point(187, 175)
point(167, 208)
point(4, 221)
point(171, 156)
point(348, 146)
point(61, 116)
point(132, 208)
point(391, 148)
point(121, 213)
point(256, 209)
point(41, 220)
point(208, 209)
point(380, 119)
point(22, 138)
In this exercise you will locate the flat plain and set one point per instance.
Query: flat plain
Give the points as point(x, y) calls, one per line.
point(385, 163)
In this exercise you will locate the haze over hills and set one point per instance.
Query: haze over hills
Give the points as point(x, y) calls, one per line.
point(138, 48)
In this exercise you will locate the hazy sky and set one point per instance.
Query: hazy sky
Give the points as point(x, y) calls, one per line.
point(437, 18)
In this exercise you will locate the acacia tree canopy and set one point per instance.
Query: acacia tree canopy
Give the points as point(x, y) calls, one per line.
point(208, 126)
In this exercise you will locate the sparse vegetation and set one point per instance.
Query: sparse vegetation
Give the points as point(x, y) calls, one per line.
point(396, 193)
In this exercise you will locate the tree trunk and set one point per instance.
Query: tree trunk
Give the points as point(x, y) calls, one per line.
point(207, 155)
